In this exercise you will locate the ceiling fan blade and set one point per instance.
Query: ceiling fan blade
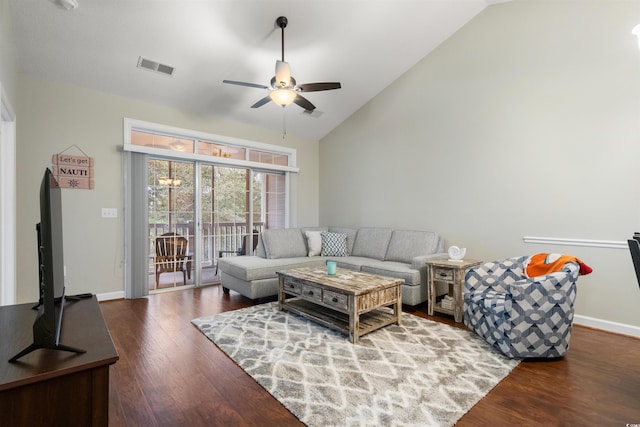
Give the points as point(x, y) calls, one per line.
point(315, 87)
point(304, 103)
point(283, 74)
point(233, 82)
point(261, 102)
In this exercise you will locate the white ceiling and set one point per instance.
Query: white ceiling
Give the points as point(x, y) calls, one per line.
point(365, 45)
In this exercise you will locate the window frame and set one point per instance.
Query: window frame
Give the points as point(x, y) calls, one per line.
point(132, 164)
point(156, 128)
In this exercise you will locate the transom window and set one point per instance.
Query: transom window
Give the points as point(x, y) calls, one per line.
point(209, 148)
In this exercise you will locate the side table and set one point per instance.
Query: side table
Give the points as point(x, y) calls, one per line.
point(451, 272)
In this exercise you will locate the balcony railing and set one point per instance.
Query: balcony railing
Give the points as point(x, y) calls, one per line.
point(217, 236)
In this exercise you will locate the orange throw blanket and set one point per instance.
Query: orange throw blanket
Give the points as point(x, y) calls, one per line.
point(541, 264)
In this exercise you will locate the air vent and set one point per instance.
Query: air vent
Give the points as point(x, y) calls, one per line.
point(155, 66)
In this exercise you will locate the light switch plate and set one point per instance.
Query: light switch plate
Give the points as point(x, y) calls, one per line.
point(109, 213)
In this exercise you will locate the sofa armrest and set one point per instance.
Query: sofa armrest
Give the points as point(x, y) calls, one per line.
point(419, 262)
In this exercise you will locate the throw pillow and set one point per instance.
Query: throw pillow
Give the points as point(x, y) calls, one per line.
point(541, 264)
point(351, 236)
point(334, 244)
point(314, 242)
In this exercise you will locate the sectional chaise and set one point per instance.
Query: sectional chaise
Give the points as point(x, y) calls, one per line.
point(384, 251)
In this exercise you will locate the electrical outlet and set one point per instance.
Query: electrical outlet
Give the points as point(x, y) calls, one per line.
point(109, 213)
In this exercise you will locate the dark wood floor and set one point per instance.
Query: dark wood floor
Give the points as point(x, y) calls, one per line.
point(173, 280)
point(169, 374)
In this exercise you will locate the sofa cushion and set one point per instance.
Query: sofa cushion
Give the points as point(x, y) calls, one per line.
point(372, 242)
point(399, 270)
point(250, 268)
point(334, 244)
point(407, 244)
point(314, 242)
point(351, 236)
point(284, 243)
point(350, 262)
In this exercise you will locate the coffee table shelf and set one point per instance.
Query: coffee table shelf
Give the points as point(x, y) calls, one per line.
point(333, 319)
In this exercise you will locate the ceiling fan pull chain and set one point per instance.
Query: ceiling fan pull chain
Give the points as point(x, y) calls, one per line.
point(284, 122)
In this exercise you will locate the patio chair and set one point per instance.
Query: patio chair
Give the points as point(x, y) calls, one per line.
point(171, 256)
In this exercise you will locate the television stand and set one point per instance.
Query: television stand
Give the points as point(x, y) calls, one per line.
point(49, 387)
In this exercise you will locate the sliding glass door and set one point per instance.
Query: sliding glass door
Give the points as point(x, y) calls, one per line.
point(171, 219)
point(207, 196)
point(225, 211)
point(214, 210)
point(243, 203)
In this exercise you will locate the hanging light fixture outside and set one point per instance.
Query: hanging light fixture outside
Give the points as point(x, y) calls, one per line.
point(169, 182)
point(283, 97)
point(177, 145)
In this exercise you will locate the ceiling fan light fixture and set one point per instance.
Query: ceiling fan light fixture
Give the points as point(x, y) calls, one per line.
point(283, 97)
point(283, 74)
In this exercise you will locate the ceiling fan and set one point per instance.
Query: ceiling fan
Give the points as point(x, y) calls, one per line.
point(284, 89)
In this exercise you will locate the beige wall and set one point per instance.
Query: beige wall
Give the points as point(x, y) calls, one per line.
point(524, 123)
point(7, 62)
point(52, 117)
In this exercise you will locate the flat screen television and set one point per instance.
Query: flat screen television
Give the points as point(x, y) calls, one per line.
point(46, 327)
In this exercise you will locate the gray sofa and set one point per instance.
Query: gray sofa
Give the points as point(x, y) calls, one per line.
point(384, 251)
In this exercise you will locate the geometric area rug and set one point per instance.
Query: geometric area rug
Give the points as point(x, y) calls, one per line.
point(422, 373)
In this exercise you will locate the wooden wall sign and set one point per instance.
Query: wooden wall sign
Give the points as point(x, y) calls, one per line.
point(73, 171)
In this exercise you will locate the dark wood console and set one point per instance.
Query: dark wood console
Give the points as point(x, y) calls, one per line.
point(49, 387)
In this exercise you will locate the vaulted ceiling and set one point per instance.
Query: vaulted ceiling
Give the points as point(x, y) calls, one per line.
point(365, 45)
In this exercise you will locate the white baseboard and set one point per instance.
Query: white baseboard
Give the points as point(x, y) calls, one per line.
point(110, 295)
point(606, 325)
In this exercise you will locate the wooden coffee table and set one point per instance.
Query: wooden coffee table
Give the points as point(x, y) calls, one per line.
point(351, 301)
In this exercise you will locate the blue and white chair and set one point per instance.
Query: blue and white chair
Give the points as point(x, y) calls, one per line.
point(519, 316)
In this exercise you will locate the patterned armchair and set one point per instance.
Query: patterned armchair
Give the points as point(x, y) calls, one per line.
point(519, 316)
